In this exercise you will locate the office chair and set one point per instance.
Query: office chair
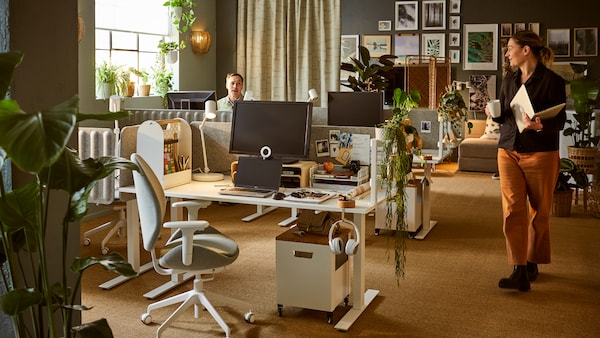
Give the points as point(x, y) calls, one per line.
point(194, 247)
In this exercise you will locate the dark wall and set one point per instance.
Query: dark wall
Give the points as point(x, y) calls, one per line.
point(361, 17)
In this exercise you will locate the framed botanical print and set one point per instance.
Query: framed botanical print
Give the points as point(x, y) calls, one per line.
point(453, 39)
point(559, 40)
point(433, 44)
point(455, 56)
point(407, 15)
point(585, 41)
point(377, 45)
point(454, 6)
point(434, 15)
point(454, 22)
point(480, 47)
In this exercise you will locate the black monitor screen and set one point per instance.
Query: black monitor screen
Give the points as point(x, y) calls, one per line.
point(363, 109)
point(282, 126)
point(189, 99)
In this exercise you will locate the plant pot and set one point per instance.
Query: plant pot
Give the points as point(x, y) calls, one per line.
point(144, 90)
point(561, 203)
point(177, 12)
point(130, 89)
point(584, 158)
point(104, 91)
point(171, 57)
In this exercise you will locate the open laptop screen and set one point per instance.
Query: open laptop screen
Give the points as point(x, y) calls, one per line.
point(256, 173)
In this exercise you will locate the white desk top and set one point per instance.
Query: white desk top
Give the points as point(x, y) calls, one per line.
point(210, 191)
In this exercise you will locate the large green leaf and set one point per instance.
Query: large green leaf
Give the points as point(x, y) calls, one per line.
point(34, 141)
point(96, 329)
point(17, 300)
point(112, 262)
point(8, 62)
point(18, 210)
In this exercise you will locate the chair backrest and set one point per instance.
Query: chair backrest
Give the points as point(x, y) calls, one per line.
point(151, 201)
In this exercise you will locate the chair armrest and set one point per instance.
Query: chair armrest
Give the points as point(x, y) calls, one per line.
point(192, 207)
point(187, 236)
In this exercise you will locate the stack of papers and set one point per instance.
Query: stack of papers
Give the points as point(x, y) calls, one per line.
point(521, 103)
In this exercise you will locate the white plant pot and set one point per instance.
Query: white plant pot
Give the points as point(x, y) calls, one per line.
point(104, 91)
point(176, 12)
point(172, 57)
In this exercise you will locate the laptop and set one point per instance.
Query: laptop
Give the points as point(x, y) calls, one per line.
point(255, 177)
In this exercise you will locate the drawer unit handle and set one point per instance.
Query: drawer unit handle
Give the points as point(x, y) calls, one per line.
point(303, 254)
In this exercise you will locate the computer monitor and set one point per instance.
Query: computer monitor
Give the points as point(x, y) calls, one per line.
point(363, 109)
point(282, 126)
point(189, 99)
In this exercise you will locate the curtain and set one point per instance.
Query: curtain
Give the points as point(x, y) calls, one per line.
point(286, 47)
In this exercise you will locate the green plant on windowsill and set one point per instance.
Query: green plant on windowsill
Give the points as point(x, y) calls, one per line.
point(36, 144)
point(371, 76)
point(108, 79)
point(182, 14)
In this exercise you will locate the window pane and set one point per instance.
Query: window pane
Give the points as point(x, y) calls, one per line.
point(102, 39)
point(124, 58)
point(149, 43)
point(148, 16)
point(122, 40)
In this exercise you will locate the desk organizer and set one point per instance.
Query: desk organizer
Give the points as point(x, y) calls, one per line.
point(338, 180)
point(167, 147)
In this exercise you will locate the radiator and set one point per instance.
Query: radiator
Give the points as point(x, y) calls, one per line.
point(94, 143)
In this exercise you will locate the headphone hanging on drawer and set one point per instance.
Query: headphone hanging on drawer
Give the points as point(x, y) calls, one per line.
point(337, 244)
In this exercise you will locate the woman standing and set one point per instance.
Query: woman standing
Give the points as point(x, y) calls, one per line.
point(528, 161)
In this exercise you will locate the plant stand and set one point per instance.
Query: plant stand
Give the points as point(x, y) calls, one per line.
point(584, 158)
point(561, 203)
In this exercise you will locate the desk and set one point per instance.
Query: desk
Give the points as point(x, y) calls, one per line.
point(209, 191)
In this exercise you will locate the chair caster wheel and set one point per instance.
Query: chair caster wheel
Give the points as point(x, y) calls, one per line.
point(87, 241)
point(280, 310)
point(249, 317)
point(105, 250)
point(146, 318)
point(376, 232)
point(329, 317)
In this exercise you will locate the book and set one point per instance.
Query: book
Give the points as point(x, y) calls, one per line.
point(522, 103)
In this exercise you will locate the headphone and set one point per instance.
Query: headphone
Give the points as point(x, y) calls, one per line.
point(337, 244)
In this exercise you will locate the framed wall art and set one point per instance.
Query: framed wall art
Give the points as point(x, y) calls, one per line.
point(434, 14)
point(407, 15)
point(558, 40)
point(506, 30)
point(377, 45)
point(455, 56)
point(433, 44)
point(404, 45)
point(453, 39)
point(534, 27)
point(480, 47)
point(349, 45)
point(454, 22)
point(384, 26)
point(519, 26)
point(454, 6)
point(585, 41)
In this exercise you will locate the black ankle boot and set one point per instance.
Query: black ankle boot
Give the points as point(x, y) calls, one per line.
point(532, 271)
point(517, 280)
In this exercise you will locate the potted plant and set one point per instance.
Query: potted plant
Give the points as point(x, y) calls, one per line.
point(570, 176)
point(143, 76)
point(107, 80)
point(169, 50)
point(37, 304)
point(584, 92)
point(452, 113)
point(182, 13)
point(399, 140)
point(163, 79)
point(370, 76)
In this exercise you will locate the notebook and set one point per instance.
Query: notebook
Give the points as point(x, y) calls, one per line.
point(521, 102)
point(255, 177)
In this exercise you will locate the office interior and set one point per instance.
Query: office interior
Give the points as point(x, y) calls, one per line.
point(56, 66)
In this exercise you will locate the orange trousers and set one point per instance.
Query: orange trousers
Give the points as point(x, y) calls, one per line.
point(527, 184)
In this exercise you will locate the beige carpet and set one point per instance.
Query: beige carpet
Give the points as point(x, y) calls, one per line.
point(450, 289)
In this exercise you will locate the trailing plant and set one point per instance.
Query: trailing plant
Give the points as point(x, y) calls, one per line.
point(569, 171)
point(167, 46)
point(394, 168)
point(453, 110)
point(183, 20)
point(370, 76)
point(584, 91)
point(36, 144)
point(163, 78)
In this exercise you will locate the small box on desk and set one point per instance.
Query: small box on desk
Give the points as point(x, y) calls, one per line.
point(308, 274)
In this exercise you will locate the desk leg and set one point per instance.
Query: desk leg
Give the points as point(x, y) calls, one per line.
point(261, 210)
point(133, 246)
point(428, 224)
point(360, 298)
point(293, 217)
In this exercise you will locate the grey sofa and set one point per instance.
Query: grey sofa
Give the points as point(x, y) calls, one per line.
point(477, 154)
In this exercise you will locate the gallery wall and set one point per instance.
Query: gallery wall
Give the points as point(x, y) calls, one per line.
point(364, 17)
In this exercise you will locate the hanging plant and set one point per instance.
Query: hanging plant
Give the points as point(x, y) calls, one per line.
point(452, 111)
point(182, 14)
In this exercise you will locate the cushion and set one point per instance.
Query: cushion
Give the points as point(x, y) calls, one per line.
point(492, 130)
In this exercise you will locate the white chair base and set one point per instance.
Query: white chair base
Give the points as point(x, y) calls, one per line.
point(116, 227)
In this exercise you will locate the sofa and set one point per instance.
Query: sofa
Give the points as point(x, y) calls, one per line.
point(478, 151)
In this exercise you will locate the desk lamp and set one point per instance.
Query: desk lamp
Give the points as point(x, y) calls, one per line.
point(312, 95)
point(206, 175)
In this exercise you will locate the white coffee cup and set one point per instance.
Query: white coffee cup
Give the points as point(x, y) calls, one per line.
point(494, 108)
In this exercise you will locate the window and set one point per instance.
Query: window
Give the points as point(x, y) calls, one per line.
point(128, 32)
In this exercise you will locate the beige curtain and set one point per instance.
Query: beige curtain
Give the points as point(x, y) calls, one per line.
point(286, 47)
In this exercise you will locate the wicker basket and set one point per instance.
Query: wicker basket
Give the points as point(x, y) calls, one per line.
point(594, 200)
point(584, 158)
point(561, 203)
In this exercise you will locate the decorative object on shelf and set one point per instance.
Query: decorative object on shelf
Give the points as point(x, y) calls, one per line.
point(395, 166)
point(201, 41)
point(370, 77)
point(563, 191)
point(452, 114)
point(182, 14)
point(206, 175)
point(40, 301)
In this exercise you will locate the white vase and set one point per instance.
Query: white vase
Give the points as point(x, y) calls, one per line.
point(171, 57)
